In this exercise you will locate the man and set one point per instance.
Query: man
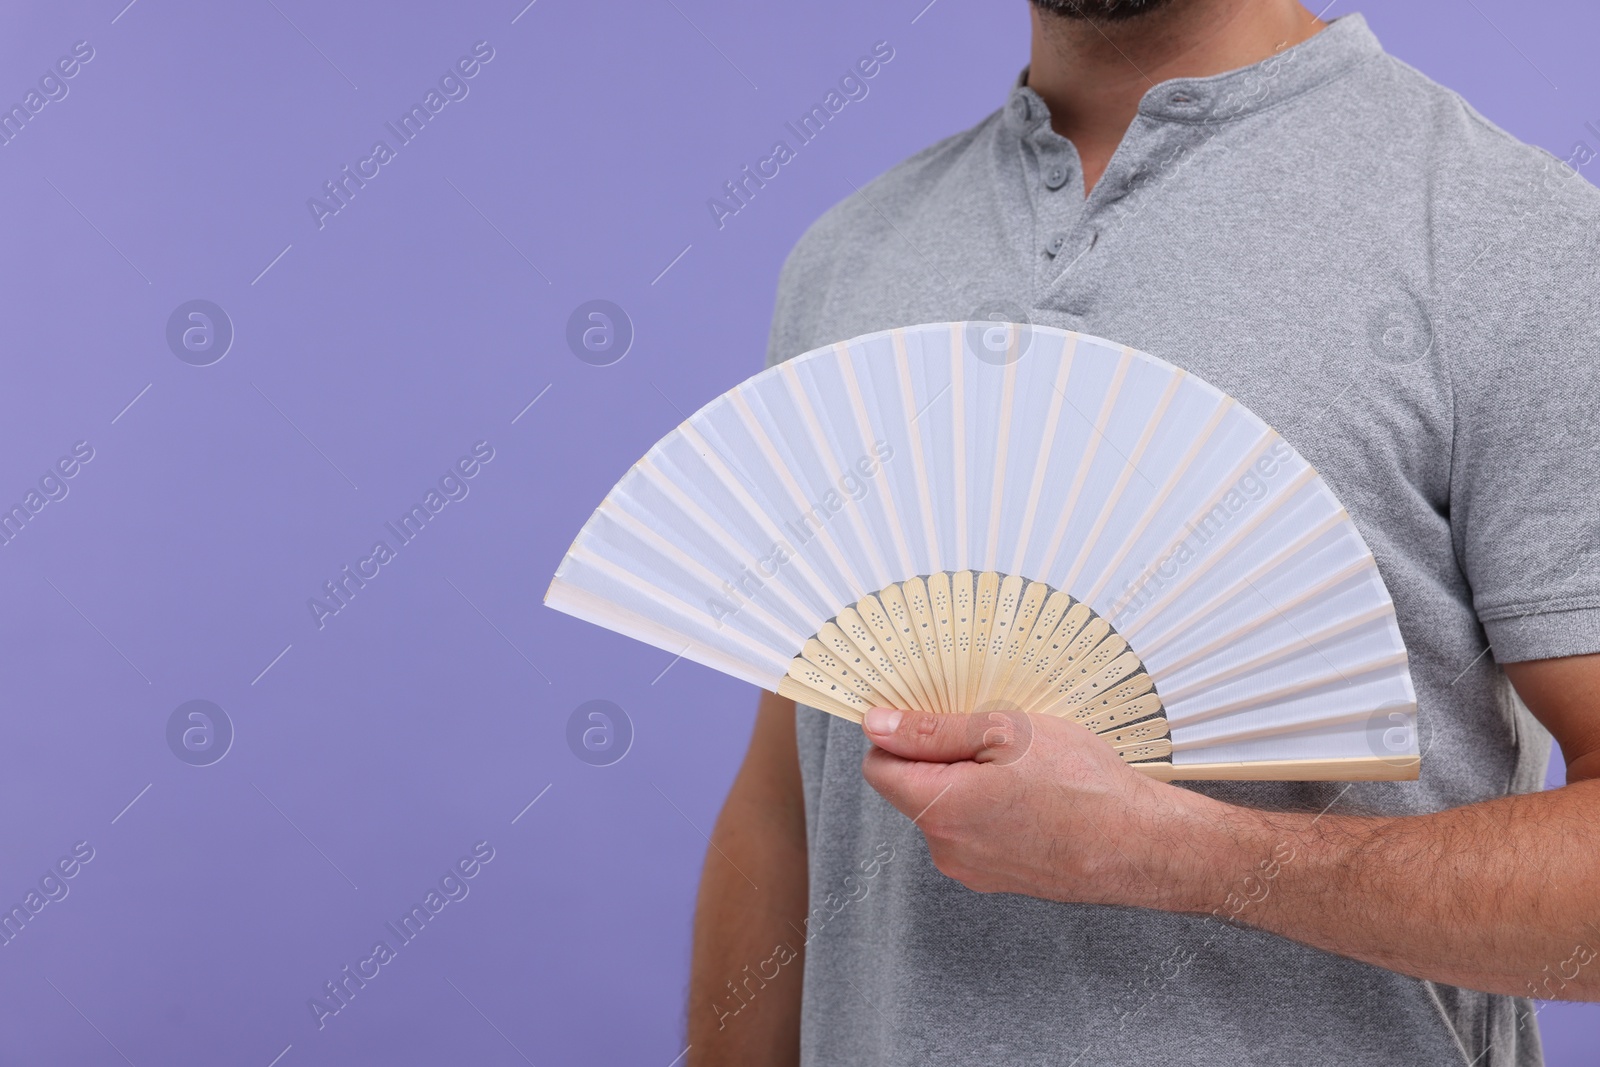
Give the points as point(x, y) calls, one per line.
point(1412, 298)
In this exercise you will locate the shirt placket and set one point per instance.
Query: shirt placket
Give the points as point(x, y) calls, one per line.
point(1061, 231)
point(1053, 187)
point(1072, 281)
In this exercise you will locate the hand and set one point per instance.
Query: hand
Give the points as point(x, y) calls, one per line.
point(1034, 804)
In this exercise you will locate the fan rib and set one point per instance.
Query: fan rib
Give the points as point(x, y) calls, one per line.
point(869, 438)
point(1008, 395)
point(942, 602)
point(1055, 608)
point(1128, 711)
point(893, 599)
point(1113, 391)
point(1109, 702)
point(1175, 479)
point(1028, 610)
point(1138, 733)
point(1046, 442)
point(1146, 750)
point(1049, 665)
point(816, 695)
point(591, 607)
point(889, 681)
point(1008, 603)
point(1255, 733)
point(821, 671)
point(908, 400)
point(1281, 693)
point(1103, 666)
point(873, 613)
point(958, 448)
point(1107, 649)
point(985, 603)
point(1332, 769)
point(916, 598)
point(797, 498)
point(690, 617)
point(653, 538)
point(858, 661)
point(1298, 644)
point(1268, 508)
point(1182, 627)
point(962, 608)
point(1361, 568)
point(819, 655)
point(1245, 582)
point(819, 441)
point(1130, 466)
point(731, 480)
point(1090, 633)
point(1118, 669)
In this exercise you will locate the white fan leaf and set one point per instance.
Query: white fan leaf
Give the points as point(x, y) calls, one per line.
point(992, 516)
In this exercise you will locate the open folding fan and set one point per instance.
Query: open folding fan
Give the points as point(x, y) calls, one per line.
point(971, 516)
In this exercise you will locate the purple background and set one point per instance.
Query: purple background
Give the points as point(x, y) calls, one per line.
point(425, 716)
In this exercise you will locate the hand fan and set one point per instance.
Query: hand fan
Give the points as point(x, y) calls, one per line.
point(976, 516)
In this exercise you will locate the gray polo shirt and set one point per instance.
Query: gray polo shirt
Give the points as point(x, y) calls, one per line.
point(1412, 298)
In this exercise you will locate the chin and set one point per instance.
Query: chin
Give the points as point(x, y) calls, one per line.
point(1100, 10)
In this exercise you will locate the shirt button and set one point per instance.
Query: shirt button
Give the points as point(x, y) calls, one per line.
point(1019, 108)
point(1055, 244)
point(1055, 177)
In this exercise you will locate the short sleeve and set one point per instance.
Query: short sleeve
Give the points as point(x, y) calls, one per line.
point(1525, 476)
point(804, 283)
point(784, 335)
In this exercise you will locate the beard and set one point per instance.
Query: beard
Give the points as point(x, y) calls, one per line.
point(1099, 10)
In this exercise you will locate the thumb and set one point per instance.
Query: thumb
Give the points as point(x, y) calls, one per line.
point(999, 736)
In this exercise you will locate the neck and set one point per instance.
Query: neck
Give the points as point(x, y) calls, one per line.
point(1092, 74)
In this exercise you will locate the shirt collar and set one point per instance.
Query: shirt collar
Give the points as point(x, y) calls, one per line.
point(1344, 44)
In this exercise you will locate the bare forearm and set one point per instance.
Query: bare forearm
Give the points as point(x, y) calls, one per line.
point(744, 987)
point(1502, 896)
point(744, 995)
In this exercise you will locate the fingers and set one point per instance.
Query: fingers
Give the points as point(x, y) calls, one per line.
point(984, 737)
point(910, 785)
point(917, 757)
